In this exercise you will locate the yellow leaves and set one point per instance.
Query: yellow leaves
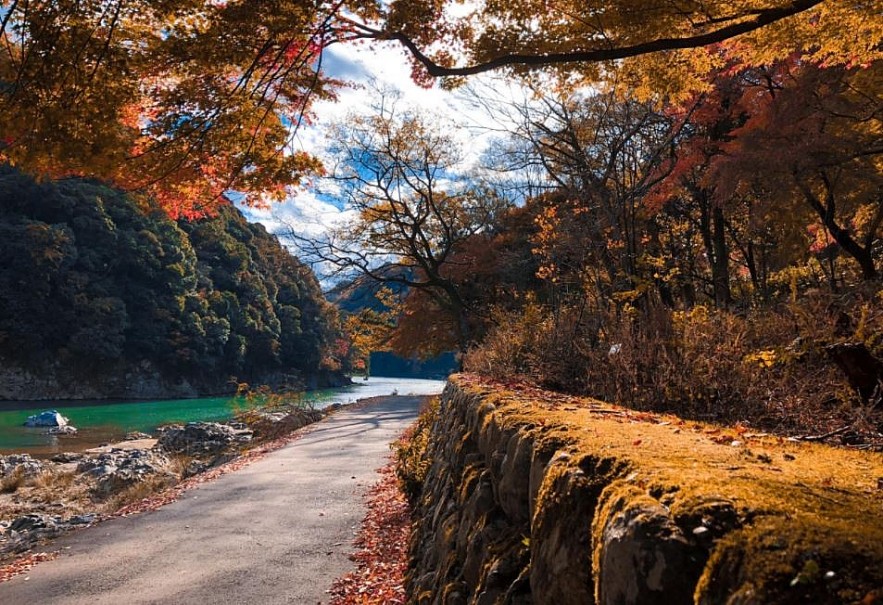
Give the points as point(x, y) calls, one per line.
point(697, 315)
point(560, 35)
point(766, 358)
point(670, 77)
point(179, 98)
point(370, 329)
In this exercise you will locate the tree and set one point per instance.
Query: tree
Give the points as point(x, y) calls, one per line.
point(94, 280)
point(579, 35)
point(398, 172)
point(602, 155)
point(185, 99)
point(813, 136)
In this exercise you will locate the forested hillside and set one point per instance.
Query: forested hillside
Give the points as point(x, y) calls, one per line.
point(101, 291)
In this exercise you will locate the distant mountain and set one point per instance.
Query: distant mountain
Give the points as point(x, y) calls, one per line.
point(361, 293)
point(103, 295)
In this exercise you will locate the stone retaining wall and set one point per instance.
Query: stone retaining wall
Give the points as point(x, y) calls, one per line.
point(538, 498)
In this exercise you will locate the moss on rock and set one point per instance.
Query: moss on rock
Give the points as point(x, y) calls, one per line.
point(617, 506)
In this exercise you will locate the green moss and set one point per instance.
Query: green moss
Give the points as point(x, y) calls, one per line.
point(764, 508)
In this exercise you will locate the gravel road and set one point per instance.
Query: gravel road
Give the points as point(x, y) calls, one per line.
point(276, 531)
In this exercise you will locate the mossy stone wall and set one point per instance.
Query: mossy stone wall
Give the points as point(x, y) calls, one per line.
point(533, 497)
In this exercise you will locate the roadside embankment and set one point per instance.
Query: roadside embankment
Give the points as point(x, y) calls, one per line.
point(534, 497)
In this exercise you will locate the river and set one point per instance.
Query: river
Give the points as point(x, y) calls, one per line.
point(106, 421)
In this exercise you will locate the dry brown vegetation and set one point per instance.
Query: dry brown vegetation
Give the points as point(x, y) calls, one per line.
point(54, 491)
point(769, 368)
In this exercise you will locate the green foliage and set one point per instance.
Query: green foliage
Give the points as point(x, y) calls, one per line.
point(91, 277)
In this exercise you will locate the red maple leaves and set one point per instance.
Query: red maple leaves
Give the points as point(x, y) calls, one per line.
point(383, 541)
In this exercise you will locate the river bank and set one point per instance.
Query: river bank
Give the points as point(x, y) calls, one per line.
point(278, 530)
point(42, 499)
point(101, 422)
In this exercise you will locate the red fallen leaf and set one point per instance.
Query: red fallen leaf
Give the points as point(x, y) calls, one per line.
point(637, 442)
point(23, 564)
point(382, 556)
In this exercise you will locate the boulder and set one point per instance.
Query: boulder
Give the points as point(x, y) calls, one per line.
point(32, 522)
point(201, 438)
point(27, 465)
point(24, 532)
point(62, 430)
point(119, 469)
point(65, 457)
point(47, 418)
point(85, 519)
point(269, 425)
point(641, 555)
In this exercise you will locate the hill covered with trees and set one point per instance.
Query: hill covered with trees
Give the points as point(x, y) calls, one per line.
point(103, 295)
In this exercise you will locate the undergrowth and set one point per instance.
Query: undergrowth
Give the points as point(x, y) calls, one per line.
point(769, 367)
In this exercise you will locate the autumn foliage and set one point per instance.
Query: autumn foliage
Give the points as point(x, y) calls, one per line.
point(381, 560)
point(713, 256)
point(187, 99)
point(182, 100)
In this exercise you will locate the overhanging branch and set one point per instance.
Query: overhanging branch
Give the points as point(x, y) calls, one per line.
point(758, 19)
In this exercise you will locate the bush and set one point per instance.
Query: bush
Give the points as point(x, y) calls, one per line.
point(12, 482)
point(767, 367)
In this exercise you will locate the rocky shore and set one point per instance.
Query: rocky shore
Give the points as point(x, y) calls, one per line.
point(40, 500)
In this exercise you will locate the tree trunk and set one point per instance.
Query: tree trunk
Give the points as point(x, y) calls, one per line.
point(720, 267)
point(828, 213)
point(712, 227)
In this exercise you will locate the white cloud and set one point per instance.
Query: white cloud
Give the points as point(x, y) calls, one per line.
point(369, 68)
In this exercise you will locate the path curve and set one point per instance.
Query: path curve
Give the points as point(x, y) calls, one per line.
point(276, 531)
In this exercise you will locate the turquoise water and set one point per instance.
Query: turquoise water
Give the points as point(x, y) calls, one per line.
point(108, 421)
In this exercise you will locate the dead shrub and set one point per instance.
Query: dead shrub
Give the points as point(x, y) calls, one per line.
point(53, 480)
point(12, 482)
point(766, 367)
point(149, 487)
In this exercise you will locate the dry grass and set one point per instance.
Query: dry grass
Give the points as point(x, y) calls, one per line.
point(12, 482)
point(179, 464)
point(54, 480)
point(53, 491)
point(765, 367)
point(142, 490)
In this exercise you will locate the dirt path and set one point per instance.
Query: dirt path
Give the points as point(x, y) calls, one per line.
point(276, 531)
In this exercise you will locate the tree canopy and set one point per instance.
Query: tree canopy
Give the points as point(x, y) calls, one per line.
point(186, 99)
point(98, 281)
point(398, 171)
point(532, 33)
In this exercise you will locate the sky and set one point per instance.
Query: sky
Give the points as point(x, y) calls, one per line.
point(311, 213)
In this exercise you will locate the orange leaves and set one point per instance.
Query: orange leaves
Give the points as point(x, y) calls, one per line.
point(383, 542)
point(205, 108)
point(24, 564)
